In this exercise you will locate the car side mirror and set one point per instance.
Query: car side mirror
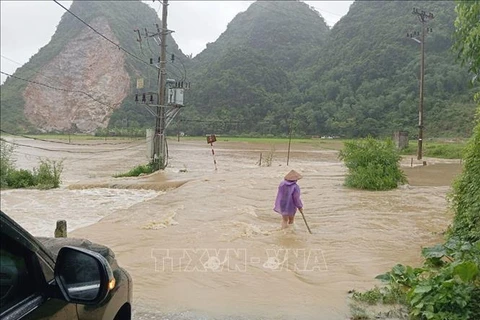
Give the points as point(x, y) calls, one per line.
point(83, 276)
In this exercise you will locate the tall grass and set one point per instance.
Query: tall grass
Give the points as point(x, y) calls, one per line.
point(444, 150)
point(135, 172)
point(372, 164)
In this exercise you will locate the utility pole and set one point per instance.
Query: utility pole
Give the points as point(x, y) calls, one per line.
point(424, 18)
point(170, 95)
point(159, 144)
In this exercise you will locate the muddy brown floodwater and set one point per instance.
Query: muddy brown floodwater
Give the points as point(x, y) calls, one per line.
point(205, 244)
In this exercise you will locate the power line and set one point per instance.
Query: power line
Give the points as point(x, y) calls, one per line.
point(60, 142)
point(68, 151)
point(23, 66)
point(59, 89)
point(36, 71)
point(104, 37)
point(184, 78)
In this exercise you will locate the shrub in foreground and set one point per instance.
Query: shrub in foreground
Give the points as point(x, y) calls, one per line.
point(445, 287)
point(372, 164)
point(47, 175)
point(20, 179)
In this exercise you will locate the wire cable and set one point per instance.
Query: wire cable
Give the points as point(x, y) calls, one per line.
point(104, 37)
point(69, 151)
point(61, 142)
point(21, 65)
point(62, 89)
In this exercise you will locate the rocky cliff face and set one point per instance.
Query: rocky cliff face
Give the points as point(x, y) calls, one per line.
point(91, 83)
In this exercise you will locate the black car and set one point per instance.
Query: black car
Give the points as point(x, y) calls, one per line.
point(59, 278)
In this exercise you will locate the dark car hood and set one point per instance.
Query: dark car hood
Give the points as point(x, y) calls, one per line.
point(55, 244)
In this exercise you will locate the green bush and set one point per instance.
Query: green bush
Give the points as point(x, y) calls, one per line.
point(465, 198)
point(444, 288)
point(6, 162)
point(138, 170)
point(47, 175)
point(20, 179)
point(372, 164)
point(379, 295)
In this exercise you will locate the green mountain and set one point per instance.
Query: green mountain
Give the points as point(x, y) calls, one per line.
point(242, 79)
point(366, 80)
point(277, 66)
point(274, 28)
point(361, 78)
point(122, 18)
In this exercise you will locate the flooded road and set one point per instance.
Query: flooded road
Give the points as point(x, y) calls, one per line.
point(202, 243)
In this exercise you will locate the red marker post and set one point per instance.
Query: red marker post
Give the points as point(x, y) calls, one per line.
point(210, 140)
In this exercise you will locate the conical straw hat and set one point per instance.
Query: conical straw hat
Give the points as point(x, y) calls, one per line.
point(293, 176)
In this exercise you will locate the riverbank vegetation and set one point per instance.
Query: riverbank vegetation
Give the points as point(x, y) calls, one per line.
point(447, 285)
point(137, 171)
point(438, 149)
point(372, 164)
point(46, 176)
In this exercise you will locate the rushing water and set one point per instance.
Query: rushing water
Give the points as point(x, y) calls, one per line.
point(202, 243)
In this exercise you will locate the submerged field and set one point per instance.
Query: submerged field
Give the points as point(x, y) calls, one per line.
point(205, 243)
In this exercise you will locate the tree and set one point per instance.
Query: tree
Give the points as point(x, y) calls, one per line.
point(466, 191)
point(467, 34)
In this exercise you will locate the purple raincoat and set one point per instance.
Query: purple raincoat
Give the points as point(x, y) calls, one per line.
point(288, 198)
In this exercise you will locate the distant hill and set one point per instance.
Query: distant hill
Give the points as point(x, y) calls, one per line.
point(277, 66)
point(366, 80)
point(282, 30)
point(94, 80)
point(244, 76)
point(361, 78)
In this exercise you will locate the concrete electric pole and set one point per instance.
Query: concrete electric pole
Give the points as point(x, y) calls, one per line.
point(169, 95)
point(159, 143)
point(424, 18)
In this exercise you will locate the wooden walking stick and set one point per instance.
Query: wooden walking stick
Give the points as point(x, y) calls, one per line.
point(306, 222)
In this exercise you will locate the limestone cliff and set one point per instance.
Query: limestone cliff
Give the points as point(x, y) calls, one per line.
point(93, 80)
point(81, 82)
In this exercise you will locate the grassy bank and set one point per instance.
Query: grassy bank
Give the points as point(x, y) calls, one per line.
point(437, 149)
point(446, 149)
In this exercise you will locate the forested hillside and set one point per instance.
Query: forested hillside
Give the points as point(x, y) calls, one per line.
point(361, 78)
point(245, 76)
point(278, 66)
point(366, 81)
point(122, 17)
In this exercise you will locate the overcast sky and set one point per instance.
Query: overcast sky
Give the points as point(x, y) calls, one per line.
point(26, 26)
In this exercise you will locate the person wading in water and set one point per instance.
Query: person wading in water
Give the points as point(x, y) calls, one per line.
point(288, 198)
